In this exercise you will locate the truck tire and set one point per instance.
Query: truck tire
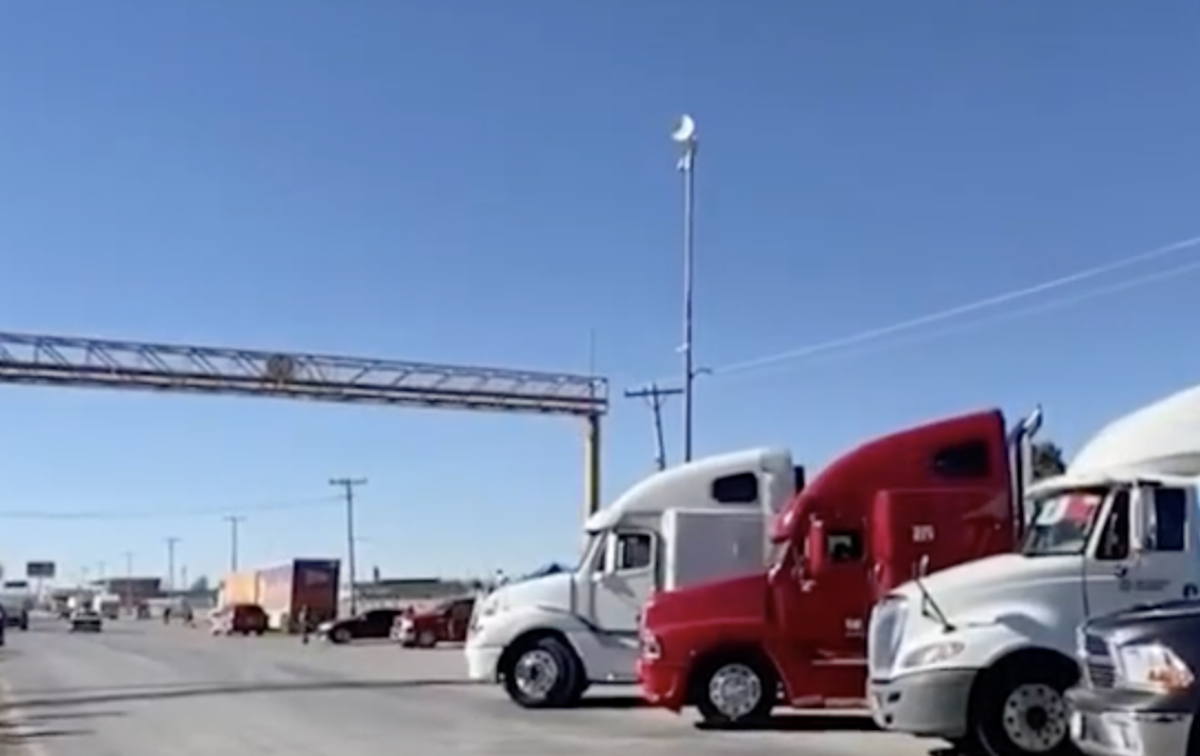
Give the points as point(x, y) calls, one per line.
point(543, 674)
point(735, 690)
point(24, 624)
point(1021, 711)
point(427, 639)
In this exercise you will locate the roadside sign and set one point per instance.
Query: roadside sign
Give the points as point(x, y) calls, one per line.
point(39, 570)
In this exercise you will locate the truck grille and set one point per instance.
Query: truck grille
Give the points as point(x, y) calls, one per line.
point(883, 636)
point(1100, 674)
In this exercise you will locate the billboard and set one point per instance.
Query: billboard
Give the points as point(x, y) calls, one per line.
point(39, 569)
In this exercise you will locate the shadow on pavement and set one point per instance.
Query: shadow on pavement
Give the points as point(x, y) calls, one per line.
point(805, 723)
point(61, 715)
point(611, 702)
point(158, 693)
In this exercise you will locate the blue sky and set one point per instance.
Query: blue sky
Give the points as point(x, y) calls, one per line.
point(485, 182)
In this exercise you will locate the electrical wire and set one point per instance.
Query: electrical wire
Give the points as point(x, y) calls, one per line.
point(954, 312)
point(156, 514)
point(999, 318)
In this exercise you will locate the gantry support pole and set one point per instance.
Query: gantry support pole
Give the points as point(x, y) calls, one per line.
point(591, 467)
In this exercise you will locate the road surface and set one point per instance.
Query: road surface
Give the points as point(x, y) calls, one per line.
point(142, 689)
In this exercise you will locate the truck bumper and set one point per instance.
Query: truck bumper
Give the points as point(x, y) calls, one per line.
point(483, 662)
point(1110, 723)
point(927, 704)
point(663, 685)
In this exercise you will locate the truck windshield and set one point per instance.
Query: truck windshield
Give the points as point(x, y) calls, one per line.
point(595, 542)
point(1063, 522)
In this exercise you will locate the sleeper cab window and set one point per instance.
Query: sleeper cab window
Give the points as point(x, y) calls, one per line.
point(967, 460)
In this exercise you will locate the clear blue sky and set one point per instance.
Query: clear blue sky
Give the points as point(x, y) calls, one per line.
point(486, 182)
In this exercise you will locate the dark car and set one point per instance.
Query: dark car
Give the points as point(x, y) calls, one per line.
point(240, 619)
point(1138, 693)
point(373, 624)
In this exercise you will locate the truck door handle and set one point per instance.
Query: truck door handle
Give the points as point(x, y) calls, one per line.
point(1121, 571)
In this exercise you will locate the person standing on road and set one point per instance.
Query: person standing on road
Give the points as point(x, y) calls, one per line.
point(303, 618)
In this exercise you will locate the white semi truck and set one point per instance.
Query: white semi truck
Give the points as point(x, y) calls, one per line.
point(549, 638)
point(980, 654)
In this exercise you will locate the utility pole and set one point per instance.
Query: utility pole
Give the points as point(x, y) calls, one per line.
point(655, 396)
point(128, 580)
point(171, 541)
point(348, 484)
point(233, 521)
point(685, 137)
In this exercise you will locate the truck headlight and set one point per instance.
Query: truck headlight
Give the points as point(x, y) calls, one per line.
point(651, 645)
point(934, 653)
point(1153, 666)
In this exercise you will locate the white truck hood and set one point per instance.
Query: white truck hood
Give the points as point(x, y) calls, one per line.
point(548, 591)
point(987, 589)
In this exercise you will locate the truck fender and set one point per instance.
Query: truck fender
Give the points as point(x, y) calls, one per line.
point(512, 628)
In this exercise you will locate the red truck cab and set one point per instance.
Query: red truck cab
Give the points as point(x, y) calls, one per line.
point(924, 498)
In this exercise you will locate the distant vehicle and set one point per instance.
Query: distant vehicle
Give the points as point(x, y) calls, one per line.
point(86, 620)
point(239, 619)
point(446, 622)
point(373, 624)
point(107, 605)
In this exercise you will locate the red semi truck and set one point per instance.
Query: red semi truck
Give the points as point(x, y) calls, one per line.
point(924, 498)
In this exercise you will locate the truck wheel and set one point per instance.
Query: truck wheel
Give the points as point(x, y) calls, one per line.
point(735, 691)
point(544, 674)
point(1022, 712)
point(24, 625)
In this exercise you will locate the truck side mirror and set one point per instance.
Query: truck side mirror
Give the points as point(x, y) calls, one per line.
point(814, 547)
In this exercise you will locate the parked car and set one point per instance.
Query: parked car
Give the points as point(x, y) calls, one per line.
point(239, 619)
point(86, 621)
point(446, 622)
point(1138, 694)
point(373, 624)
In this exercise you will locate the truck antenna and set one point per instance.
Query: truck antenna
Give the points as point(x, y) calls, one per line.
point(927, 602)
point(655, 396)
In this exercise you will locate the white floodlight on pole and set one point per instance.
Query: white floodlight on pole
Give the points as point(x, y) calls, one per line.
point(684, 136)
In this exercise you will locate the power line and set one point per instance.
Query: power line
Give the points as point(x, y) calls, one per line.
point(996, 319)
point(954, 312)
point(158, 514)
point(656, 396)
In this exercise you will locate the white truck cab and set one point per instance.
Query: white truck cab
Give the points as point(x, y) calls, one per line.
point(549, 638)
point(980, 654)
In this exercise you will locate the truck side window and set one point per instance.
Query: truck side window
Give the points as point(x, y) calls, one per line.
point(970, 459)
point(1167, 529)
point(741, 488)
point(1114, 539)
point(844, 546)
point(635, 551)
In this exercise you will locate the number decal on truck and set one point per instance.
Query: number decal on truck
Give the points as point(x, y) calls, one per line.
point(922, 533)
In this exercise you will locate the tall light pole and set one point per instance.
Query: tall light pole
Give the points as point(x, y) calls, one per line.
point(128, 598)
point(171, 541)
point(348, 485)
point(685, 137)
point(234, 521)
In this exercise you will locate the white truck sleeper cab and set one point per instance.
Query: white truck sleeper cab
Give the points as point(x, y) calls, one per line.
point(547, 639)
point(980, 654)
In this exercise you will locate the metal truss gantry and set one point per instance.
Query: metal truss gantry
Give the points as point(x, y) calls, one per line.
point(34, 359)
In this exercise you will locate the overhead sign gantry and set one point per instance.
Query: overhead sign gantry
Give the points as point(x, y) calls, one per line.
point(34, 359)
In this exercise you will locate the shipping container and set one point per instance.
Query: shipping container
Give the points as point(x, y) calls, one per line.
point(239, 588)
point(311, 583)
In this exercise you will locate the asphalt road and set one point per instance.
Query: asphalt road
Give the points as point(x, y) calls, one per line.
point(142, 689)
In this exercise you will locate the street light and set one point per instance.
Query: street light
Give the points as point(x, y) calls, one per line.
point(684, 136)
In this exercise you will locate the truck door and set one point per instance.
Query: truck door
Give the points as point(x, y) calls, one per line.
point(1162, 567)
point(1107, 571)
point(620, 589)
